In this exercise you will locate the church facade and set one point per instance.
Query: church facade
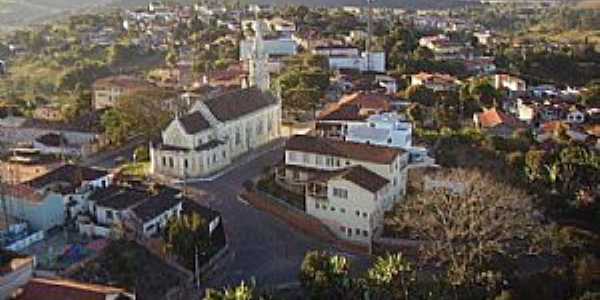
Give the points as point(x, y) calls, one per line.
point(216, 131)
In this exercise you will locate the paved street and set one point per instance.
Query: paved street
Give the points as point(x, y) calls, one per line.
point(263, 247)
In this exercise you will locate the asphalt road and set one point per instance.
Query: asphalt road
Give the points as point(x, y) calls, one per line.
point(263, 248)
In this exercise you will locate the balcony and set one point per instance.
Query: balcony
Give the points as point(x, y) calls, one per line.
point(317, 190)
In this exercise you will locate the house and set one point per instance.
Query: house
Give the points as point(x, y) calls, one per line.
point(485, 38)
point(42, 211)
point(346, 185)
point(480, 65)
point(355, 108)
point(436, 82)
point(62, 289)
point(308, 157)
point(511, 83)
point(24, 164)
point(443, 48)
point(48, 200)
point(16, 270)
point(82, 136)
point(365, 62)
point(385, 129)
point(349, 202)
point(216, 131)
point(107, 91)
point(145, 209)
point(496, 123)
point(48, 112)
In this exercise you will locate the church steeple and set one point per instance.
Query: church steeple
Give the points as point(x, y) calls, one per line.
point(259, 75)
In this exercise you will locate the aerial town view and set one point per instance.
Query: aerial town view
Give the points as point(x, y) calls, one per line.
point(300, 149)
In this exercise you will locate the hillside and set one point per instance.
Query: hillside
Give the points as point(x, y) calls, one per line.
point(15, 13)
point(588, 4)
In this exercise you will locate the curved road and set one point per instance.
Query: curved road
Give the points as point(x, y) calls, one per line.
point(262, 247)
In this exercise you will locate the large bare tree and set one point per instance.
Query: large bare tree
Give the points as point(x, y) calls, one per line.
point(466, 232)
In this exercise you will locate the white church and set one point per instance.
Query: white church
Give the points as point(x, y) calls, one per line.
point(216, 131)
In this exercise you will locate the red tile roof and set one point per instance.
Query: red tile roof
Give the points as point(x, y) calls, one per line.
point(38, 288)
point(366, 179)
point(493, 118)
point(357, 151)
point(349, 107)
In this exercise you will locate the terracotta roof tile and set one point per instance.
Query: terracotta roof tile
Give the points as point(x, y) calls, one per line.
point(493, 118)
point(357, 151)
point(231, 106)
point(364, 178)
point(39, 288)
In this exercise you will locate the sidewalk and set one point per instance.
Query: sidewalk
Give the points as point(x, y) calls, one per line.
point(240, 161)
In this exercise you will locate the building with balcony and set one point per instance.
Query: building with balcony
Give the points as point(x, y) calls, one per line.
point(346, 185)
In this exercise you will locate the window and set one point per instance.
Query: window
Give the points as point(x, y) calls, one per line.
point(329, 161)
point(185, 163)
point(200, 141)
point(332, 208)
point(224, 154)
point(358, 213)
point(319, 160)
point(238, 136)
point(357, 230)
point(214, 157)
point(349, 231)
point(342, 228)
point(389, 141)
point(270, 124)
point(305, 158)
point(365, 233)
point(324, 207)
point(340, 193)
point(171, 162)
point(293, 156)
point(338, 162)
point(343, 210)
point(109, 215)
point(259, 128)
point(296, 175)
point(365, 214)
point(164, 161)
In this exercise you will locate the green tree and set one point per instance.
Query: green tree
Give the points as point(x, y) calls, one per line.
point(240, 292)
point(391, 277)
point(420, 94)
point(146, 110)
point(325, 276)
point(116, 127)
point(186, 235)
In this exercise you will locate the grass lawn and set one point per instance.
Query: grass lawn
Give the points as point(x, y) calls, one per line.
point(141, 169)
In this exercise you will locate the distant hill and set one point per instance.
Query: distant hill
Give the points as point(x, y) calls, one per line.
point(588, 4)
point(16, 13)
point(411, 4)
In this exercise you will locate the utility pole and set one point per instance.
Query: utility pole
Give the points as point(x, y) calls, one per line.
point(368, 45)
point(196, 268)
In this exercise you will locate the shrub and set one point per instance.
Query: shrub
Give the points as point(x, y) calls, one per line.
point(141, 153)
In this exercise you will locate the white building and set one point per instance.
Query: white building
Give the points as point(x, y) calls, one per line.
point(348, 186)
point(387, 129)
point(365, 62)
point(215, 132)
